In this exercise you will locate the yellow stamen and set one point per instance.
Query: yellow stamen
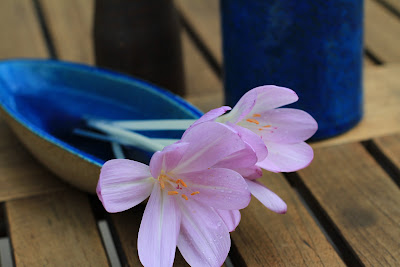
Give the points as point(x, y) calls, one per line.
point(179, 181)
point(184, 197)
point(260, 129)
point(253, 121)
point(267, 126)
point(256, 115)
point(172, 193)
point(195, 193)
point(162, 183)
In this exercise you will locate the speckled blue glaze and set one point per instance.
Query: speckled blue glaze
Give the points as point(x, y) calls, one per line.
point(312, 47)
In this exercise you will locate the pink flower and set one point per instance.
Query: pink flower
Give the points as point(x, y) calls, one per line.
point(192, 198)
point(257, 118)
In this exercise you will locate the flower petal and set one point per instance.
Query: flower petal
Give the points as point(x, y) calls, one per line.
point(168, 158)
point(231, 218)
point(287, 157)
point(211, 115)
point(219, 188)
point(159, 230)
point(252, 139)
point(285, 125)
point(245, 158)
point(209, 143)
point(204, 238)
point(156, 163)
point(241, 109)
point(123, 184)
point(268, 198)
point(251, 173)
point(271, 96)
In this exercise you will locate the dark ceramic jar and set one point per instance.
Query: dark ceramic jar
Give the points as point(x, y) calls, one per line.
point(141, 38)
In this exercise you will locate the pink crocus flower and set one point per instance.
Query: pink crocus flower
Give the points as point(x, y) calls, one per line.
point(256, 117)
point(193, 195)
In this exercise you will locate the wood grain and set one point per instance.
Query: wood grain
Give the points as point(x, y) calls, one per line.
point(381, 107)
point(55, 229)
point(20, 174)
point(204, 89)
point(360, 199)
point(126, 226)
point(203, 16)
point(382, 32)
point(20, 32)
point(390, 146)
point(264, 238)
point(70, 25)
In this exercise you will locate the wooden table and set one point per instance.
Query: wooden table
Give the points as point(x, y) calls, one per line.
point(344, 209)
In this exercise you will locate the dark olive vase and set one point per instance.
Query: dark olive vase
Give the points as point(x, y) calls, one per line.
point(140, 38)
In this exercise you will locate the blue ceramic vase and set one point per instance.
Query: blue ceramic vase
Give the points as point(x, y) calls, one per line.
point(312, 47)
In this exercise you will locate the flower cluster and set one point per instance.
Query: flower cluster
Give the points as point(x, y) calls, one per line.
point(198, 184)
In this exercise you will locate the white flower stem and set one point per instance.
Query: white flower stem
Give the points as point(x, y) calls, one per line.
point(134, 139)
point(149, 125)
point(117, 150)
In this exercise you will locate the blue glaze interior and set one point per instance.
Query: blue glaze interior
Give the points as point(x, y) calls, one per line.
point(52, 98)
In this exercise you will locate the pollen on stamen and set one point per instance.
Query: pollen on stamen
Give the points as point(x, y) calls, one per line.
point(267, 126)
point(253, 121)
point(256, 115)
point(179, 181)
point(162, 184)
point(260, 129)
point(172, 193)
point(184, 197)
point(195, 193)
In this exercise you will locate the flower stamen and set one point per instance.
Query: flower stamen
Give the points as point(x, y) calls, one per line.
point(179, 181)
point(172, 193)
point(256, 115)
point(267, 126)
point(185, 197)
point(195, 193)
point(253, 121)
point(162, 183)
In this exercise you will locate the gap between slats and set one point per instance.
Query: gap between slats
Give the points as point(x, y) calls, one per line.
point(327, 226)
point(391, 6)
point(386, 164)
point(45, 30)
point(6, 259)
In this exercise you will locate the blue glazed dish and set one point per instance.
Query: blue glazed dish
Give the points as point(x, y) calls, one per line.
point(43, 101)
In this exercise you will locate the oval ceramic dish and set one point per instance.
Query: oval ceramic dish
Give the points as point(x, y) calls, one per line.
point(44, 101)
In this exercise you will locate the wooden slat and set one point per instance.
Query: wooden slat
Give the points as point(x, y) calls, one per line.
point(70, 25)
point(360, 199)
point(20, 33)
point(53, 230)
point(382, 32)
point(381, 106)
point(393, 3)
point(390, 146)
point(126, 225)
point(203, 16)
point(20, 174)
point(264, 238)
point(204, 89)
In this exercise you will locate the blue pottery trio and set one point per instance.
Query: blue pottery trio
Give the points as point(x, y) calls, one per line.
point(312, 47)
